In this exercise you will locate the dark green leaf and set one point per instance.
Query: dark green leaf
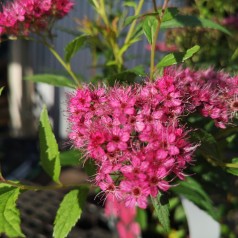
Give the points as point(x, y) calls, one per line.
point(90, 167)
point(130, 19)
point(49, 153)
point(52, 79)
point(1, 89)
point(69, 211)
point(175, 58)
point(192, 21)
point(234, 171)
point(149, 27)
point(9, 214)
point(170, 13)
point(194, 192)
point(161, 206)
point(71, 158)
point(209, 146)
point(74, 46)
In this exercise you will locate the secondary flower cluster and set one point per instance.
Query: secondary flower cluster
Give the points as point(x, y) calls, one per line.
point(123, 216)
point(134, 134)
point(20, 17)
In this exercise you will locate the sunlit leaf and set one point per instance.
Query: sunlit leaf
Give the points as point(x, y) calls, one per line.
point(149, 27)
point(234, 171)
point(49, 153)
point(9, 214)
point(69, 212)
point(175, 58)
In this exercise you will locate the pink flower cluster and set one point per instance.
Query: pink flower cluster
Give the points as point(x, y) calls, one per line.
point(134, 135)
point(213, 94)
point(231, 21)
point(163, 47)
point(124, 218)
point(20, 17)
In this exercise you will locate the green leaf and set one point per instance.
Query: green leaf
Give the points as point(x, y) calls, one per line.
point(192, 21)
point(209, 146)
point(69, 211)
point(170, 13)
point(175, 58)
point(1, 89)
point(49, 153)
point(90, 167)
point(194, 192)
point(149, 27)
point(74, 46)
point(9, 214)
point(52, 79)
point(161, 206)
point(71, 158)
point(130, 4)
point(234, 171)
point(141, 218)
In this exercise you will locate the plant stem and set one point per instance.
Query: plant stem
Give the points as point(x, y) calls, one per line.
point(103, 13)
point(159, 18)
point(67, 67)
point(40, 188)
point(133, 24)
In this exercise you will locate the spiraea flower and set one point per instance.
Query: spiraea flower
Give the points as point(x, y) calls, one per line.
point(134, 134)
point(20, 17)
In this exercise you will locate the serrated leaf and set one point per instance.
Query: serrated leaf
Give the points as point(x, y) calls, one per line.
point(9, 214)
point(1, 89)
point(192, 21)
point(74, 46)
point(161, 206)
point(233, 171)
point(194, 192)
point(49, 152)
point(52, 79)
point(69, 212)
point(71, 158)
point(149, 27)
point(175, 58)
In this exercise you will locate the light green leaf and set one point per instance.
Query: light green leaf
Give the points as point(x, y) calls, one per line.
point(74, 46)
point(234, 171)
point(1, 89)
point(192, 21)
point(71, 158)
point(130, 4)
point(69, 211)
point(161, 206)
point(49, 153)
point(194, 192)
point(149, 27)
point(175, 58)
point(52, 79)
point(9, 214)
